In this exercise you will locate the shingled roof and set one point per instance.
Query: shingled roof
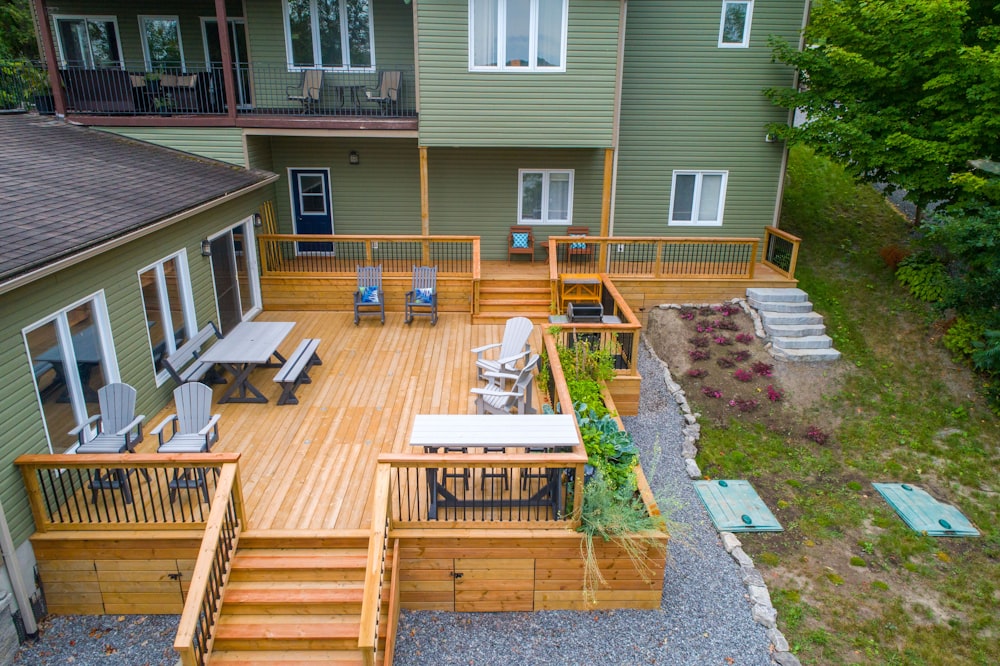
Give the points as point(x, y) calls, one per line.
point(64, 188)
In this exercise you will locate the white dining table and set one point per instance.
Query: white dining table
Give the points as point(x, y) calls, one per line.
point(249, 345)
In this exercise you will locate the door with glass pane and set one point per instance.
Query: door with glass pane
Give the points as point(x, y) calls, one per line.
point(234, 270)
point(71, 358)
point(312, 211)
point(237, 33)
point(169, 308)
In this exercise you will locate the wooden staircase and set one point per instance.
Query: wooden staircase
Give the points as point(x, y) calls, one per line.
point(501, 298)
point(293, 600)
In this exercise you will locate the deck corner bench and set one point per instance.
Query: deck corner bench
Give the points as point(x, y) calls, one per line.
point(183, 365)
point(295, 371)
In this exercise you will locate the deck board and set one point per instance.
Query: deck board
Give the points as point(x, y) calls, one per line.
point(310, 466)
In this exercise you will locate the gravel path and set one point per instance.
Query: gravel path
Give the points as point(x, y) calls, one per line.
point(108, 640)
point(705, 616)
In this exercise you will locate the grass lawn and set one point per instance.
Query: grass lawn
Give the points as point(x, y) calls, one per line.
point(852, 584)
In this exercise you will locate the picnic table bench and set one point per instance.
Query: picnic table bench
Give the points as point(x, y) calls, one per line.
point(184, 364)
point(295, 370)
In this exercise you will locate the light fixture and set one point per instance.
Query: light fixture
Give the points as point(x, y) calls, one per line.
point(257, 220)
point(353, 157)
point(206, 248)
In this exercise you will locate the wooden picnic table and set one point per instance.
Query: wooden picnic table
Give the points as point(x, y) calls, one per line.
point(249, 345)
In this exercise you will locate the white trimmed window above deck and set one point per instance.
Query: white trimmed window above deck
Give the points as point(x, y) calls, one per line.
point(89, 42)
point(332, 34)
point(161, 43)
point(545, 196)
point(697, 198)
point(734, 27)
point(517, 35)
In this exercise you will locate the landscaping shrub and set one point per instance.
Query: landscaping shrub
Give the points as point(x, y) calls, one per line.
point(924, 275)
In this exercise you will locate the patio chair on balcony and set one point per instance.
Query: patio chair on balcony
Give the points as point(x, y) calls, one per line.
point(579, 249)
point(388, 93)
point(511, 350)
point(194, 430)
point(118, 428)
point(496, 398)
point(369, 298)
point(422, 299)
point(307, 92)
point(521, 240)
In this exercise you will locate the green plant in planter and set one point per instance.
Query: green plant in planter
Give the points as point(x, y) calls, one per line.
point(610, 450)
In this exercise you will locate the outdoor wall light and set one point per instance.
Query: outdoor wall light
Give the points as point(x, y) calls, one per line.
point(353, 157)
point(206, 248)
point(257, 220)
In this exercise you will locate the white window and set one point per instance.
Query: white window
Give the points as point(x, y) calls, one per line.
point(72, 356)
point(734, 28)
point(168, 306)
point(698, 197)
point(88, 41)
point(328, 33)
point(546, 196)
point(517, 35)
point(161, 42)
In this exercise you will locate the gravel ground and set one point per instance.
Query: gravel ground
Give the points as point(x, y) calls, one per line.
point(108, 640)
point(705, 616)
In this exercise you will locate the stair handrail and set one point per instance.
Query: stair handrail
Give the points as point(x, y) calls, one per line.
point(203, 605)
point(378, 541)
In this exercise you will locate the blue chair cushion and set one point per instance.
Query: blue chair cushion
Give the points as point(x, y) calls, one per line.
point(577, 246)
point(424, 296)
point(369, 294)
point(519, 240)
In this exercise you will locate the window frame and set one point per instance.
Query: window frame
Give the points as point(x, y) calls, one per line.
point(546, 179)
point(501, 36)
point(345, 46)
point(747, 23)
point(696, 197)
point(56, 18)
point(186, 291)
point(109, 359)
point(142, 18)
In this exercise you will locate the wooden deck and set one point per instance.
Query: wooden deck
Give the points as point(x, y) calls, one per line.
point(310, 466)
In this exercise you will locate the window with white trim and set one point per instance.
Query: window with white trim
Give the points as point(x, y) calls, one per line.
point(545, 196)
point(734, 28)
point(168, 305)
point(328, 33)
point(90, 42)
point(698, 197)
point(161, 42)
point(517, 35)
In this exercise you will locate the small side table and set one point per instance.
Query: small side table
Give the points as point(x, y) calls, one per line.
point(581, 287)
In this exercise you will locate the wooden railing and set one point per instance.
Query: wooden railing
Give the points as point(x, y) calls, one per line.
point(122, 492)
point(781, 251)
point(378, 542)
point(299, 255)
point(195, 633)
point(654, 257)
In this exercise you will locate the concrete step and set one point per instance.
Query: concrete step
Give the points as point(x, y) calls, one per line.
point(803, 342)
point(771, 294)
point(790, 318)
point(781, 306)
point(794, 330)
point(805, 355)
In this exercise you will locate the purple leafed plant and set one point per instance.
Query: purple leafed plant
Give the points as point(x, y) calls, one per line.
point(763, 369)
point(727, 309)
point(699, 355)
point(742, 375)
point(741, 355)
point(727, 325)
point(697, 373)
point(700, 341)
point(744, 405)
point(773, 394)
point(817, 435)
point(725, 363)
point(722, 340)
point(711, 392)
point(705, 326)
point(687, 314)
point(745, 338)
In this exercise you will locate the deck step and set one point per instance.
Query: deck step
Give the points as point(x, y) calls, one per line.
point(543, 290)
point(294, 597)
point(790, 318)
point(796, 332)
point(791, 295)
point(806, 355)
point(291, 565)
point(781, 306)
point(501, 318)
point(271, 632)
point(289, 658)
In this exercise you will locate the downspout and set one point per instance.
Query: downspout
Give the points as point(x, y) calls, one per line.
point(14, 573)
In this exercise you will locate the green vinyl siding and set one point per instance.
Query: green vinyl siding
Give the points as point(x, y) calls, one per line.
point(189, 16)
point(687, 104)
point(259, 152)
point(474, 191)
point(381, 195)
point(116, 272)
point(217, 143)
point(567, 109)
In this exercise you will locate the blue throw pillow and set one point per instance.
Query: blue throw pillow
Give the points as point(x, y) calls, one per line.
point(519, 240)
point(577, 246)
point(424, 296)
point(369, 295)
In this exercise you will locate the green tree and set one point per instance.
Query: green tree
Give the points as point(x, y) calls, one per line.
point(17, 34)
point(902, 92)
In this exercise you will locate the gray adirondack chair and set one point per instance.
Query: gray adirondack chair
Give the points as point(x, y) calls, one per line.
point(195, 429)
point(495, 398)
point(422, 298)
point(118, 428)
point(510, 351)
point(369, 298)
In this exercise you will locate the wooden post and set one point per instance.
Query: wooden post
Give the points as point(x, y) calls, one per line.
point(425, 206)
point(229, 81)
point(49, 50)
point(609, 164)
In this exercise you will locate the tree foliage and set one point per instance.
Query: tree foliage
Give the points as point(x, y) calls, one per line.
point(902, 92)
point(17, 36)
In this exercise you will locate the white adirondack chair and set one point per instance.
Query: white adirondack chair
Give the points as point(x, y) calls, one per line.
point(495, 399)
point(195, 429)
point(512, 349)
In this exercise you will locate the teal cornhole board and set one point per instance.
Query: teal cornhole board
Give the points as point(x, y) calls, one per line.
point(736, 507)
point(924, 514)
